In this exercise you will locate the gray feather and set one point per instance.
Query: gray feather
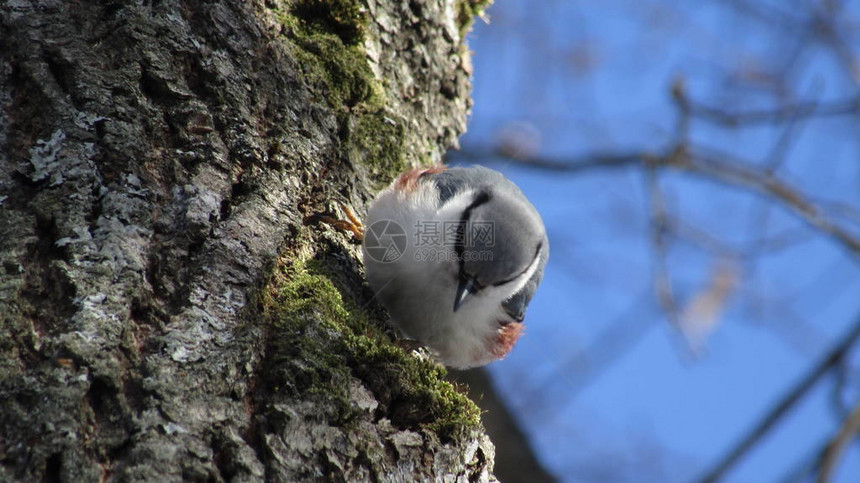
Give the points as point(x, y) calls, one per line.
point(455, 180)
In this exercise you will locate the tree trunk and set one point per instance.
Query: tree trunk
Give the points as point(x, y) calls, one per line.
point(165, 313)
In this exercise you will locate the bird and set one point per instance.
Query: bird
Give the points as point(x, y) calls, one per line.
point(455, 254)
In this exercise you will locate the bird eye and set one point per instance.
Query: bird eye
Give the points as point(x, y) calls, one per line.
point(475, 284)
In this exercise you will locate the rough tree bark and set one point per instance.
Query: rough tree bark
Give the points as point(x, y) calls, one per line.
point(165, 313)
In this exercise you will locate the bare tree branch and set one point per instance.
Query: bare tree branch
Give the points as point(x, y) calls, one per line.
point(830, 360)
point(709, 166)
point(747, 177)
point(659, 227)
point(847, 432)
point(800, 110)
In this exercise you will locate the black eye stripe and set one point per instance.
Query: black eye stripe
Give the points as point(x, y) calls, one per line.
point(481, 198)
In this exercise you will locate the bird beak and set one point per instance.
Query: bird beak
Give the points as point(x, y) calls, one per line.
point(464, 290)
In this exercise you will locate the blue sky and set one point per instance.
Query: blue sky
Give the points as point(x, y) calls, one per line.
point(601, 376)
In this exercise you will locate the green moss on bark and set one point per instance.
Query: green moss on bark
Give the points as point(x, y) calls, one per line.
point(321, 338)
point(466, 12)
point(344, 18)
point(326, 37)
